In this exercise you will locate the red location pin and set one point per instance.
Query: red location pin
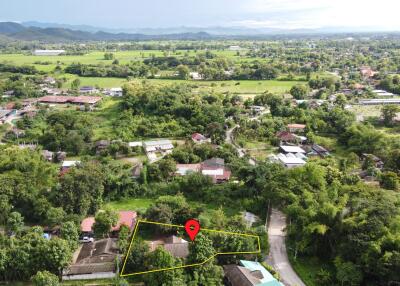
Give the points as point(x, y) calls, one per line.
point(192, 228)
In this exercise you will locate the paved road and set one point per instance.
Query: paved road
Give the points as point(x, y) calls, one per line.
point(278, 257)
point(229, 139)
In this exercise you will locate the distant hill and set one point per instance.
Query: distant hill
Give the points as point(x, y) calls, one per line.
point(20, 32)
point(8, 28)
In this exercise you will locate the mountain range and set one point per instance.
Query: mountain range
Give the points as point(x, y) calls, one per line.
point(52, 32)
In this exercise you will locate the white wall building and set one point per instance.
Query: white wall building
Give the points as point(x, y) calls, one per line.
point(48, 52)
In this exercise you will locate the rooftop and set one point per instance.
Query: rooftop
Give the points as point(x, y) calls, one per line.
point(292, 149)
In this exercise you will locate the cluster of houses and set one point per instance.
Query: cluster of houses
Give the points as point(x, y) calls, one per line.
point(214, 168)
point(96, 258)
point(293, 149)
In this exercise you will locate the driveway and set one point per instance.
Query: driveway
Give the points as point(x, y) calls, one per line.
point(278, 257)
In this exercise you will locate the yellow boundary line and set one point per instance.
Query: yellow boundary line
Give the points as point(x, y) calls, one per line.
point(189, 265)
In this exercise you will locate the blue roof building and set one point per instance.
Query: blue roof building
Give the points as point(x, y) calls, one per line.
point(249, 273)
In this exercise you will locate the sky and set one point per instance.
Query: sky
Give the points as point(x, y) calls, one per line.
point(287, 14)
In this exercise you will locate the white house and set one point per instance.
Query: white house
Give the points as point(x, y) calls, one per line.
point(115, 92)
point(288, 160)
point(158, 145)
point(195, 76)
point(235, 48)
point(292, 149)
point(48, 52)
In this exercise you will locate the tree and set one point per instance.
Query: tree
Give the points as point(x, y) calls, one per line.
point(390, 181)
point(81, 189)
point(183, 71)
point(347, 272)
point(341, 100)
point(75, 84)
point(201, 250)
point(299, 91)
point(69, 232)
point(104, 221)
point(54, 216)
point(45, 278)
point(57, 255)
point(15, 222)
point(136, 257)
point(389, 113)
point(158, 259)
point(108, 56)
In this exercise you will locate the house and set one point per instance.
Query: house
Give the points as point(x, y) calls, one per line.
point(91, 100)
point(163, 145)
point(257, 109)
point(114, 92)
point(101, 145)
point(67, 165)
point(200, 138)
point(250, 218)
point(377, 161)
point(214, 168)
point(49, 80)
point(287, 137)
point(296, 127)
point(235, 48)
point(8, 94)
point(47, 155)
point(135, 144)
point(249, 273)
point(176, 246)
point(127, 218)
point(48, 52)
point(367, 72)
point(289, 160)
point(319, 150)
point(291, 149)
point(52, 91)
point(5, 114)
point(88, 90)
point(96, 260)
point(379, 101)
point(195, 76)
point(382, 93)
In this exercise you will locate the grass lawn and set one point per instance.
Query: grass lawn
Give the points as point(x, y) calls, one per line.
point(104, 118)
point(142, 204)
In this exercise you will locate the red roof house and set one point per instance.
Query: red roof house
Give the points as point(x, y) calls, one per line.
point(127, 218)
point(200, 138)
point(285, 136)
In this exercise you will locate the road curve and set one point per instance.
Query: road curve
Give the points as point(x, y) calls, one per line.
point(278, 257)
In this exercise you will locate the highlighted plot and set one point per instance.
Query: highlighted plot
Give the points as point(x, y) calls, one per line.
point(172, 244)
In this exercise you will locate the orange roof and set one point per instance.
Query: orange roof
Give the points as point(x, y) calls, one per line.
point(298, 126)
point(125, 218)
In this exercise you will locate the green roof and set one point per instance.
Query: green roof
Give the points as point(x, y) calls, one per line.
point(268, 279)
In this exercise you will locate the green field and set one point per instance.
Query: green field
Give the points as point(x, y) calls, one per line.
point(247, 88)
point(142, 204)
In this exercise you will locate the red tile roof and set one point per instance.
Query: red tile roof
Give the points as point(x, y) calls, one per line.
point(125, 218)
point(198, 137)
point(286, 136)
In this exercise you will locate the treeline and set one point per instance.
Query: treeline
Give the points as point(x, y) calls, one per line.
point(335, 217)
point(391, 84)
point(23, 69)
